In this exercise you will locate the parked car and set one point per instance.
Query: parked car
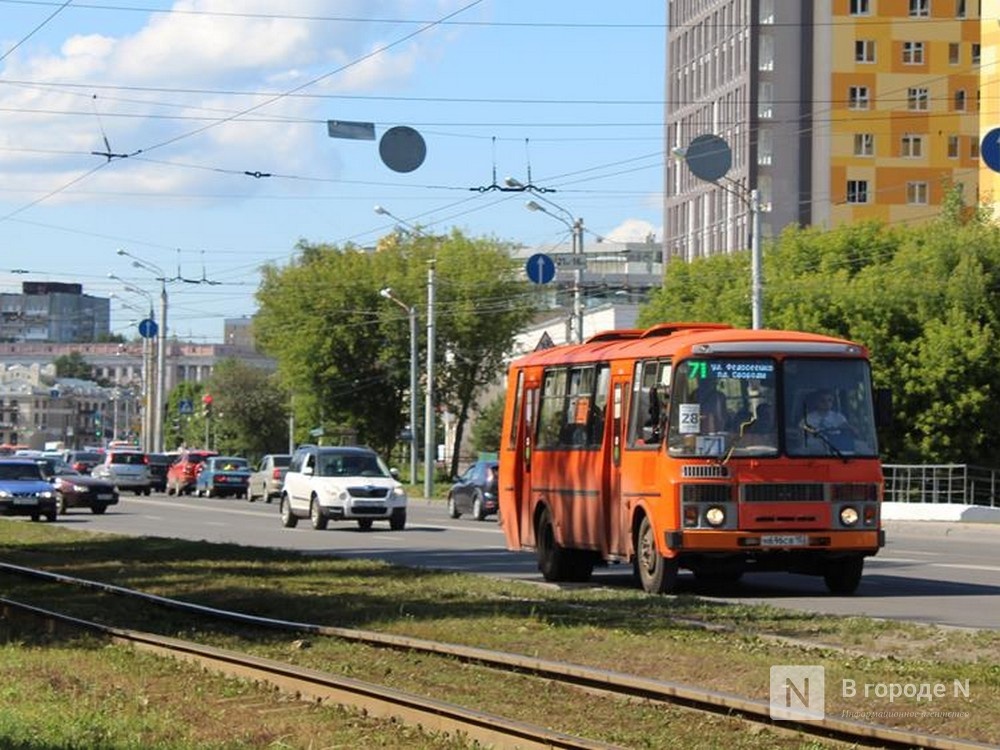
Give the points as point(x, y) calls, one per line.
point(267, 479)
point(341, 483)
point(76, 490)
point(183, 472)
point(126, 470)
point(475, 491)
point(159, 463)
point(24, 491)
point(223, 476)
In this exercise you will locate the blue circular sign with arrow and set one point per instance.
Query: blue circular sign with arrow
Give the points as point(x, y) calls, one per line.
point(148, 328)
point(540, 268)
point(989, 150)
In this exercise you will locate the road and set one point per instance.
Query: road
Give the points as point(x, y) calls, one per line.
point(933, 573)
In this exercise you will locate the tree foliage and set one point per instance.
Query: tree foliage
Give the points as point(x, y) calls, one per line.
point(343, 350)
point(922, 299)
point(249, 410)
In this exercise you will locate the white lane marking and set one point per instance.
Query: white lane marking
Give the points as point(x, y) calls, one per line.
point(957, 566)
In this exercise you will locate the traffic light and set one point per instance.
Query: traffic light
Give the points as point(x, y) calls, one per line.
point(206, 406)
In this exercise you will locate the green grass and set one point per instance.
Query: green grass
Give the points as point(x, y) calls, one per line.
point(686, 639)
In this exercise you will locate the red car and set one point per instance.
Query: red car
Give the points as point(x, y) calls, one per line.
point(183, 472)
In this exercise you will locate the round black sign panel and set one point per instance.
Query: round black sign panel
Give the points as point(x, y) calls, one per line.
point(402, 149)
point(709, 157)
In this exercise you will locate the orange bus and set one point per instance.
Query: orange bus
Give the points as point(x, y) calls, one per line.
point(696, 446)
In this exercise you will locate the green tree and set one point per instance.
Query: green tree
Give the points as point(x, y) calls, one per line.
point(922, 299)
point(343, 350)
point(73, 365)
point(488, 426)
point(249, 410)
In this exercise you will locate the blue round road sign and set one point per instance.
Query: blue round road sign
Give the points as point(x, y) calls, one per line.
point(147, 328)
point(990, 149)
point(540, 268)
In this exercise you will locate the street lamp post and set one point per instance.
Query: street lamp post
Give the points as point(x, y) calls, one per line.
point(575, 226)
point(161, 369)
point(148, 375)
point(411, 312)
point(429, 450)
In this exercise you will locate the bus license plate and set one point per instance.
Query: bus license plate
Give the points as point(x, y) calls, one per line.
point(784, 540)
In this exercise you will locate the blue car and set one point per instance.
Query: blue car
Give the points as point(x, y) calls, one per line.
point(24, 491)
point(223, 476)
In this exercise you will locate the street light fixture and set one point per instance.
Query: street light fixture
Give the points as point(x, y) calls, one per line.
point(161, 369)
point(576, 232)
point(381, 211)
point(411, 312)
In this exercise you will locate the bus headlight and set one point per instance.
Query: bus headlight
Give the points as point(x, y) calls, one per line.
point(849, 515)
point(715, 516)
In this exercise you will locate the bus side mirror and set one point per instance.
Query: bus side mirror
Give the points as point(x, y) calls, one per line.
point(883, 408)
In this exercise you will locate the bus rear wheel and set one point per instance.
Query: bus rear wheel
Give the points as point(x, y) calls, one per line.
point(558, 563)
point(656, 574)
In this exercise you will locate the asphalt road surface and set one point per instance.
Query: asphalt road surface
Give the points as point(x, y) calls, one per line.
point(934, 573)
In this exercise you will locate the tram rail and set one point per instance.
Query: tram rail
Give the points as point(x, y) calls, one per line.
point(368, 696)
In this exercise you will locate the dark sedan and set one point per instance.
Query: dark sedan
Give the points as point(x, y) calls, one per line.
point(475, 491)
point(76, 490)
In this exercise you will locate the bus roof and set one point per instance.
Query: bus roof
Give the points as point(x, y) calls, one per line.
point(667, 339)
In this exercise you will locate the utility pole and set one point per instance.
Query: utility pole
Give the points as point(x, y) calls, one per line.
point(430, 452)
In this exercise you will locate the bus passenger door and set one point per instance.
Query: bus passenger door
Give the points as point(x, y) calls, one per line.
point(616, 515)
point(522, 489)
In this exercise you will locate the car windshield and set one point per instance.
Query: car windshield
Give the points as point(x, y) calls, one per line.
point(20, 472)
point(128, 458)
point(230, 464)
point(350, 465)
point(730, 408)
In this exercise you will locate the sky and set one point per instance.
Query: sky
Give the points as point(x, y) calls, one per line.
point(191, 138)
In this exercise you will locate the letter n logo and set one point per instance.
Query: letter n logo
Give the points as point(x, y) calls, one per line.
point(798, 693)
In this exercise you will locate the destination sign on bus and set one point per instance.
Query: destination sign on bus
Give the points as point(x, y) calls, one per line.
point(755, 369)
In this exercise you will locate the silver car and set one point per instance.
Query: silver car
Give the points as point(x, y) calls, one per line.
point(267, 479)
point(126, 469)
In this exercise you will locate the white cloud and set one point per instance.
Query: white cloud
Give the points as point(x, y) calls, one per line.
point(633, 230)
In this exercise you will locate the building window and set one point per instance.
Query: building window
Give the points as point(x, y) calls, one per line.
point(857, 97)
point(765, 146)
point(917, 99)
point(974, 148)
point(864, 51)
point(911, 146)
point(913, 53)
point(920, 8)
point(952, 146)
point(954, 53)
point(857, 191)
point(976, 49)
point(864, 144)
point(916, 193)
point(861, 7)
point(959, 8)
point(765, 100)
point(960, 100)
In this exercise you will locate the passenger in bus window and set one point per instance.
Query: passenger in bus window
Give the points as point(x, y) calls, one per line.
point(656, 419)
point(714, 414)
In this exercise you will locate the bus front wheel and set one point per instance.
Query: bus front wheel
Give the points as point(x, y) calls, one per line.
point(657, 574)
point(843, 576)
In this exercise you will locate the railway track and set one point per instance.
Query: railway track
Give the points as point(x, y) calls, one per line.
point(441, 717)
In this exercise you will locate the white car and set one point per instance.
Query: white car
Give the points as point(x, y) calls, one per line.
point(126, 470)
point(341, 484)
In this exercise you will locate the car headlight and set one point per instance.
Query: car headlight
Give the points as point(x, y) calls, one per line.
point(399, 492)
point(5, 493)
point(79, 488)
point(849, 515)
point(715, 516)
point(46, 495)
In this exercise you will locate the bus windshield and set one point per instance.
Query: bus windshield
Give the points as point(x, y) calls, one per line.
point(730, 408)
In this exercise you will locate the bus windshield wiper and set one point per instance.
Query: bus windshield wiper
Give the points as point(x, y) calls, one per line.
point(808, 429)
